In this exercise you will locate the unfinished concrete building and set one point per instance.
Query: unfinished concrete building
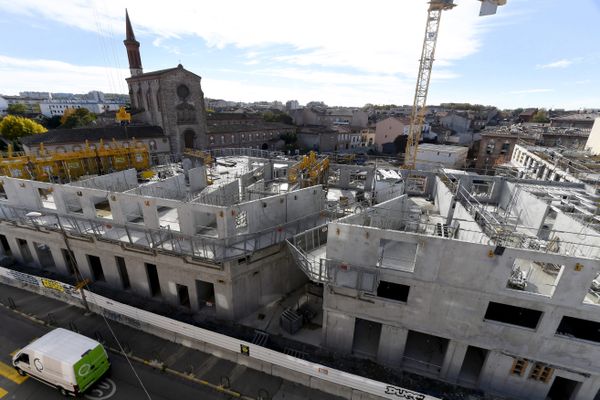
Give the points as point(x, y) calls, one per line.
point(485, 282)
point(210, 238)
point(554, 164)
point(215, 248)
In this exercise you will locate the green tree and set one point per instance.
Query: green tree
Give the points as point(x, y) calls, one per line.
point(13, 127)
point(77, 118)
point(16, 109)
point(52, 122)
point(540, 116)
point(517, 111)
point(277, 116)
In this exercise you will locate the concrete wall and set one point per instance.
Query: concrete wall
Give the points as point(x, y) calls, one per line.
point(450, 289)
point(580, 239)
point(593, 142)
point(443, 197)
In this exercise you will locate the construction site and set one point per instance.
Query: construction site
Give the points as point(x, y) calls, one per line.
point(487, 283)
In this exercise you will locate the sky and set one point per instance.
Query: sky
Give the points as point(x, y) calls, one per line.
point(532, 53)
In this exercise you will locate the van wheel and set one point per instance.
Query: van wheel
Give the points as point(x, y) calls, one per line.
point(63, 391)
point(21, 372)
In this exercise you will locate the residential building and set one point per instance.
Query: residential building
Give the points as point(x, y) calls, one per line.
point(497, 144)
point(578, 120)
point(291, 105)
point(555, 165)
point(32, 104)
point(527, 115)
point(387, 130)
point(324, 139)
point(245, 130)
point(51, 108)
point(367, 138)
point(330, 117)
point(433, 156)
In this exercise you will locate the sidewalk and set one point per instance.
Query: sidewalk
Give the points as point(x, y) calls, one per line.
point(162, 354)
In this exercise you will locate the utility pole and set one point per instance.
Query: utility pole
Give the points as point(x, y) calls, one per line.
point(81, 281)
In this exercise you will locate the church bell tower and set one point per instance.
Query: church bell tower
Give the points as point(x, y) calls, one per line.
point(133, 48)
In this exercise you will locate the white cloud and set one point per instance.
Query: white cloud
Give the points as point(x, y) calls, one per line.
point(531, 91)
point(18, 74)
point(564, 63)
point(343, 52)
point(379, 36)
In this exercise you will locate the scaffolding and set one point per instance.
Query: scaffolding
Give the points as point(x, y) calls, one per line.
point(55, 166)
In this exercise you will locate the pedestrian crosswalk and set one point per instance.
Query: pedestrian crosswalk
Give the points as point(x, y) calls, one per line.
point(8, 373)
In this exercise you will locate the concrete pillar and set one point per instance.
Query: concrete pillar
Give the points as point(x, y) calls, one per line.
point(268, 171)
point(391, 345)
point(369, 179)
point(33, 250)
point(589, 389)
point(59, 260)
point(111, 272)
point(339, 331)
point(14, 248)
point(198, 180)
point(138, 276)
point(118, 216)
point(83, 264)
point(344, 181)
point(150, 214)
point(453, 360)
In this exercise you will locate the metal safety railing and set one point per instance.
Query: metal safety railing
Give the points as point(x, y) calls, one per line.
point(163, 240)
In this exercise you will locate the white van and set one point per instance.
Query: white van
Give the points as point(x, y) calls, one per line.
point(65, 360)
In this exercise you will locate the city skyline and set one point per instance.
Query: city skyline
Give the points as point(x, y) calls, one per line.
point(535, 53)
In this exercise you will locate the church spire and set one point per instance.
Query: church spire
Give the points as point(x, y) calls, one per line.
point(133, 48)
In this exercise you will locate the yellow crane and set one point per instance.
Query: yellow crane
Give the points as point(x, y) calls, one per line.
point(434, 14)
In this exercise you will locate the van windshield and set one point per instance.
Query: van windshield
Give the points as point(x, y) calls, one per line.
point(24, 358)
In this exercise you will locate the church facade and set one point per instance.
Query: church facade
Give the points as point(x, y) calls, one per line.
point(170, 98)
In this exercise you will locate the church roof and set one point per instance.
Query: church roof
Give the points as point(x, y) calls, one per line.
point(160, 72)
point(94, 134)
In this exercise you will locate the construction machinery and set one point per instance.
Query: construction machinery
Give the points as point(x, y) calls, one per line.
point(309, 171)
point(206, 158)
point(436, 7)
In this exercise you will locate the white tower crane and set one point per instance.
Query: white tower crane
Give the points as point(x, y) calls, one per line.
point(488, 7)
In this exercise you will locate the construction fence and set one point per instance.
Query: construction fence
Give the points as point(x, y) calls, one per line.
point(314, 375)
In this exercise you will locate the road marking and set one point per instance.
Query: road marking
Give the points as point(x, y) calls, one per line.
point(3, 393)
point(103, 390)
point(11, 374)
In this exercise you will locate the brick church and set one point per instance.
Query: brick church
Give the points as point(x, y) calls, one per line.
point(173, 100)
point(170, 98)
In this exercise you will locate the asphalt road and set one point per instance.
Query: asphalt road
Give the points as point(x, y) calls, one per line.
point(17, 331)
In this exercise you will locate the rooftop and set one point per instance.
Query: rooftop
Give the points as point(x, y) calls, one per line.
point(78, 135)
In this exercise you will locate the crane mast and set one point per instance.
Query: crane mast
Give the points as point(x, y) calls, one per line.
point(417, 117)
point(425, 65)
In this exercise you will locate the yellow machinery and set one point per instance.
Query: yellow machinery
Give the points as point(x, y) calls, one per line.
point(417, 116)
point(206, 157)
point(71, 165)
point(309, 171)
point(122, 116)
